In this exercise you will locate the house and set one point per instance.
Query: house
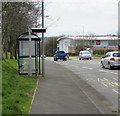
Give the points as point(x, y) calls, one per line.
point(70, 43)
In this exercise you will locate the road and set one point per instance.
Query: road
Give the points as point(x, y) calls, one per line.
point(105, 81)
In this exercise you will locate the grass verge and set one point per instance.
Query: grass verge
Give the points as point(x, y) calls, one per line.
point(94, 55)
point(98, 55)
point(17, 90)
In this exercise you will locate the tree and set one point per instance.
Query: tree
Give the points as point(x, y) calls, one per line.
point(17, 17)
point(51, 46)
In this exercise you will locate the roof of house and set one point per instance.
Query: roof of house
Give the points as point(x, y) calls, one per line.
point(89, 38)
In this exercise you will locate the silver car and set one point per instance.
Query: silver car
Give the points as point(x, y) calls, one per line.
point(111, 60)
point(85, 55)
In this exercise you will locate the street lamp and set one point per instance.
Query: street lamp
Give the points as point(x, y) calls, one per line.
point(43, 60)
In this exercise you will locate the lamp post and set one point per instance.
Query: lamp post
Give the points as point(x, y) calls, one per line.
point(43, 60)
point(41, 30)
point(42, 49)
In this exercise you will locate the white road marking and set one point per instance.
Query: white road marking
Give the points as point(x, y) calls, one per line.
point(105, 79)
point(114, 73)
point(104, 84)
point(115, 79)
point(115, 91)
point(108, 72)
point(87, 68)
point(103, 71)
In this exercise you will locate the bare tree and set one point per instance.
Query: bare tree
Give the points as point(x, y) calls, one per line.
point(17, 17)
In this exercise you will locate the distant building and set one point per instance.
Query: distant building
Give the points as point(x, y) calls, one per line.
point(69, 44)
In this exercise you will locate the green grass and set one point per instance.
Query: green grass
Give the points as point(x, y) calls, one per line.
point(8, 53)
point(17, 90)
point(98, 55)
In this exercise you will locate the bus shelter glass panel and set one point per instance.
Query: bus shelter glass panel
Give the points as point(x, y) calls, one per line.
point(24, 59)
point(24, 65)
point(24, 48)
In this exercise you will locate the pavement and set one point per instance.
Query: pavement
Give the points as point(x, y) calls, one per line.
point(63, 92)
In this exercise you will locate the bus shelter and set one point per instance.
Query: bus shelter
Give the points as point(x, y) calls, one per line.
point(23, 54)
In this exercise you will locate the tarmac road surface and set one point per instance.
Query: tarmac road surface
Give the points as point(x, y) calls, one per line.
point(105, 81)
point(63, 92)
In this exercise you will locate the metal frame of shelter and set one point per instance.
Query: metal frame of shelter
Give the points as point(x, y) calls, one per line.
point(23, 54)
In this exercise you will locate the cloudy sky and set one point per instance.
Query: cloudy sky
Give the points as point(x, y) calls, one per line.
point(75, 17)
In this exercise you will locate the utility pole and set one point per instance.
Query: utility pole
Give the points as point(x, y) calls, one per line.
point(43, 60)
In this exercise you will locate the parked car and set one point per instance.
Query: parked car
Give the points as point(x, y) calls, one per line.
point(85, 55)
point(111, 60)
point(60, 55)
